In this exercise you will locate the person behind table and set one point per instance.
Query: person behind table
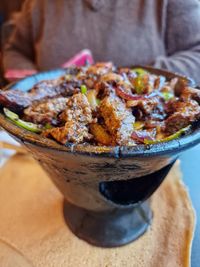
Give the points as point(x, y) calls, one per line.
point(161, 33)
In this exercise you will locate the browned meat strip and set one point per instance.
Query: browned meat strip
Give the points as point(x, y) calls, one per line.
point(18, 100)
point(118, 119)
point(77, 116)
point(46, 111)
point(184, 114)
point(54, 88)
point(15, 100)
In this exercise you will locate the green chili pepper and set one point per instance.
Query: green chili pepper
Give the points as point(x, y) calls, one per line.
point(139, 84)
point(24, 124)
point(48, 126)
point(138, 125)
point(83, 89)
point(139, 71)
point(11, 115)
point(139, 81)
point(98, 101)
point(167, 95)
point(169, 138)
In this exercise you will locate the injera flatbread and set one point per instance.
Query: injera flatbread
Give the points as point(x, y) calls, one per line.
point(33, 231)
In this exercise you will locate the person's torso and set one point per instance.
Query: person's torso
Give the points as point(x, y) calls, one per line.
point(127, 32)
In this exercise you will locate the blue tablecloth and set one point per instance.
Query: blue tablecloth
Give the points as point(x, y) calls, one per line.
point(190, 165)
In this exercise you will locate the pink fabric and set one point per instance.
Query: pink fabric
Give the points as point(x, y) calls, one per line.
point(78, 60)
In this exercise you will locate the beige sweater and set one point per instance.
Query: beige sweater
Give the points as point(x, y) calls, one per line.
point(164, 33)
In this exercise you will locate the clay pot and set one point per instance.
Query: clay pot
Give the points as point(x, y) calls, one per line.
point(106, 189)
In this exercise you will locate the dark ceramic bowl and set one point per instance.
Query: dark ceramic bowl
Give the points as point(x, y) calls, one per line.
point(106, 189)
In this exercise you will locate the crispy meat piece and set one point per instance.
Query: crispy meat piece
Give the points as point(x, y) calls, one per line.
point(73, 131)
point(78, 109)
point(100, 68)
point(147, 106)
point(184, 114)
point(77, 116)
point(45, 111)
point(111, 77)
point(189, 93)
point(118, 119)
point(101, 135)
point(104, 89)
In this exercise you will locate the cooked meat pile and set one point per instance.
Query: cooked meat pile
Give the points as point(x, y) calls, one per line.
point(105, 105)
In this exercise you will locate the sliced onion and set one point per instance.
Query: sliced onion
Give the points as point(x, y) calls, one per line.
point(141, 136)
point(127, 95)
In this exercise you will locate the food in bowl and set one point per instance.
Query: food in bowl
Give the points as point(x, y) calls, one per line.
point(104, 105)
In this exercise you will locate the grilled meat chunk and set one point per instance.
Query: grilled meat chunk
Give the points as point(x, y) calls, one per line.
point(147, 106)
point(46, 111)
point(101, 135)
point(118, 119)
point(77, 116)
point(78, 109)
point(184, 113)
point(72, 131)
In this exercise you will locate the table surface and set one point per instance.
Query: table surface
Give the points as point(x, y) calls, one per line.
point(190, 165)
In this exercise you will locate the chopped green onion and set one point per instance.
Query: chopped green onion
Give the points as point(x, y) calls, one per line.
point(139, 71)
point(83, 89)
point(24, 124)
point(167, 95)
point(169, 138)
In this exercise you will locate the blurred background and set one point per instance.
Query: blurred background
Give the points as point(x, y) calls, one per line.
point(8, 12)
